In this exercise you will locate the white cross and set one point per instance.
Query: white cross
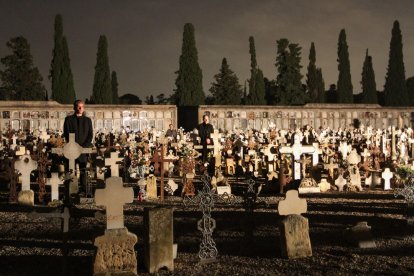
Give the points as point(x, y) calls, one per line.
point(14, 139)
point(343, 148)
point(216, 140)
point(25, 165)
point(340, 182)
point(387, 175)
point(72, 151)
point(114, 196)
point(54, 182)
point(365, 154)
point(44, 136)
point(316, 153)
point(297, 149)
point(112, 161)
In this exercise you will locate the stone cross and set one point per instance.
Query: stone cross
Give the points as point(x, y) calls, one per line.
point(72, 151)
point(365, 154)
point(316, 153)
point(14, 144)
point(44, 136)
point(343, 148)
point(216, 141)
point(112, 161)
point(340, 182)
point(54, 182)
point(297, 149)
point(292, 204)
point(25, 165)
point(114, 196)
point(387, 175)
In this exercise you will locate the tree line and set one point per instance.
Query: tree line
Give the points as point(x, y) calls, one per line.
point(21, 80)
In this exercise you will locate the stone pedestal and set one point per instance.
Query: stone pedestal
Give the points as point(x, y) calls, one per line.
point(115, 254)
point(158, 244)
point(26, 198)
point(294, 237)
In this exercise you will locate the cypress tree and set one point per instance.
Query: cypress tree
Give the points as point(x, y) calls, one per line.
point(253, 72)
point(320, 87)
point(189, 82)
point(345, 94)
point(410, 90)
point(258, 98)
point(63, 90)
point(226, 90)
point(311, 81)
point(20, 77)
point(102, 91)
point(369, 87)
point(288, 81)
point(114, 85)
point(395, 89)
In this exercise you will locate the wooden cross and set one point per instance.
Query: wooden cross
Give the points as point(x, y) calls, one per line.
point(25, 166)
point(72, 151)
point(158, 157)
point(114, 196)
point(330, 167)
point(113, 162)
point(54, 182)
point(387, 175)
point(297, 150)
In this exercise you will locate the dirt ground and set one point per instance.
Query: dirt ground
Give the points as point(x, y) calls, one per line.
point(34, 246)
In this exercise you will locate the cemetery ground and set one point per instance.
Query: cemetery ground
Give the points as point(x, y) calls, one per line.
point(35, 246)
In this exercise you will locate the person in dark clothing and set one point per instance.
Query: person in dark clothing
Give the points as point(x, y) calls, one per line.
point(81, 125)
point(171, 133)
point(205, 129)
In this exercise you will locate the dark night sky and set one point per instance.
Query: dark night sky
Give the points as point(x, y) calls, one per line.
point(145, 36)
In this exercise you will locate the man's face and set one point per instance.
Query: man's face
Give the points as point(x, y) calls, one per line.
point(206, 119)
point(80, 108)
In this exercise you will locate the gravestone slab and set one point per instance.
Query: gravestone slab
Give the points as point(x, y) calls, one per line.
point(360, 235)
point(294, 237)
point(152, 187)
point(158, 243)
point(116, 253)
point(221, 190)
point(292, 204)
point(26, 198)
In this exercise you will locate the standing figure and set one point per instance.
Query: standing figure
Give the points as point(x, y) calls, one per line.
point(81, 125)
point(205, 129)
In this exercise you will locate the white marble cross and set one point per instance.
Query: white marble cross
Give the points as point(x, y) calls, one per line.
point(387, 175)
point(25, 165)
point(54, 182)
point(343, 148)
point(44, 136)
point(112, 161)
point(365, 154)
point(292, 204)
point(316, 153)
point(216, 140)
point(340, 182)
point(114, 196)
point(72, 151)
point(14, 139)
point(297, 149)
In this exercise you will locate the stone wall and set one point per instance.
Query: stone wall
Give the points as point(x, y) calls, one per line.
point(30, 115)
point(315, 115)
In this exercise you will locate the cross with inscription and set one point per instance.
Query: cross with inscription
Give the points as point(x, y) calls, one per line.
point(217, 144)
point(54, 182)
point(114, 196)
point(71, 151)
point(297, 150)
point(113, 162)
point(25, 165)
